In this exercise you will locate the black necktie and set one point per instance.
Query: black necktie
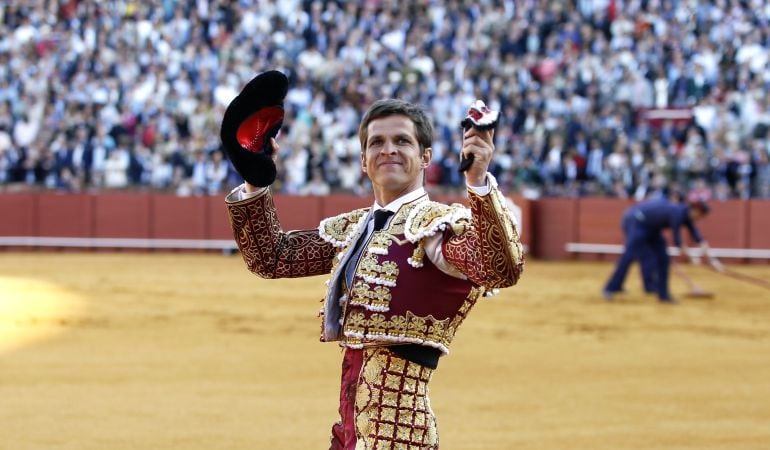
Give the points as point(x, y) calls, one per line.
point(380, 218)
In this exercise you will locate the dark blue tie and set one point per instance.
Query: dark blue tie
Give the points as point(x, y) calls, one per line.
point(380, 219)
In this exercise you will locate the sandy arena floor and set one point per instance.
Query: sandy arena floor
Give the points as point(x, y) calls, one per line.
point(178, 351)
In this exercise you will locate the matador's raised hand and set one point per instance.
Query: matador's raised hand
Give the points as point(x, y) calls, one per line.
point(478, 142)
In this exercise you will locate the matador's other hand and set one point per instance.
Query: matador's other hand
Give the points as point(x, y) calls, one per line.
point(480, 144)
point(274, 144)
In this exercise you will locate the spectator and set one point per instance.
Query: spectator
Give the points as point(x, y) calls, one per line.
point(316, 186)
point(116, 169)
point(567, 77)
point(199, 179)
point(296, 165)
point(350, 174)
point(216, 173)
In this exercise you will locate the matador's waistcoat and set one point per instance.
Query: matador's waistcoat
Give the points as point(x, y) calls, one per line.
point(397, 295)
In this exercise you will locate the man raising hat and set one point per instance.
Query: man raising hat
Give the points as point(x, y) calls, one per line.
point(405, 272)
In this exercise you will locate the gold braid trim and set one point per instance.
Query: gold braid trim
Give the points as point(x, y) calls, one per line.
point(489, 251)
point(269, 251)
point(365, 329)
point(340, 230)
point(429, 218)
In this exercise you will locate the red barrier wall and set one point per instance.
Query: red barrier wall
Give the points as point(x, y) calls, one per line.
point(727, 225)
point(548, 224)
point(17, 215)
point(298, 213)
point(174, 217)
point(758, 224)
point(731, 224)
point(121, 215)
point(554, 225)
point(338, 204)
point(598, 222)
point(217, 223)
point(64, 215)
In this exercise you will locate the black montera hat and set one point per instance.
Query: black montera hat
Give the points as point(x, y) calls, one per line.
point(251, 119)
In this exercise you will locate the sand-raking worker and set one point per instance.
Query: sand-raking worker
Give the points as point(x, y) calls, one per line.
point(643, 225)
point(405, 272)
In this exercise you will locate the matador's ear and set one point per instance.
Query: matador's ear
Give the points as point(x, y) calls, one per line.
point(251, 119)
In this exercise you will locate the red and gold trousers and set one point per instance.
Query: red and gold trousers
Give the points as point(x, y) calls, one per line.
point(384, 403)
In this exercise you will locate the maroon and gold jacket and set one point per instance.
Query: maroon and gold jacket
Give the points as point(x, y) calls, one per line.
point(397, 294)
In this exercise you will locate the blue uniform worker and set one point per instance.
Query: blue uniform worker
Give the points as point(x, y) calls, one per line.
point(645, 257)
point(643, 226)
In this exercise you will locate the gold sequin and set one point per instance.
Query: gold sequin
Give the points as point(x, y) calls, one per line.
point(385, 430)
point(388, 414)
point(403, 433)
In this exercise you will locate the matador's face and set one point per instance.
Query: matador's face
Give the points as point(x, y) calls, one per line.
point(392, 157)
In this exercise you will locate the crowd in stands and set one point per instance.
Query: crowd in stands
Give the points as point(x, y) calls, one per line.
point(598, 97)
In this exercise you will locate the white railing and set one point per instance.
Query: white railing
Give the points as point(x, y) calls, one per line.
point(582, 247)
point(186, 244)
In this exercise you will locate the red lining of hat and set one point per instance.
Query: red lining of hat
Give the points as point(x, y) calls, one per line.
point(251, 133)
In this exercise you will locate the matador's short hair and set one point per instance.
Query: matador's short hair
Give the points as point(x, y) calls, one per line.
point(392, 107)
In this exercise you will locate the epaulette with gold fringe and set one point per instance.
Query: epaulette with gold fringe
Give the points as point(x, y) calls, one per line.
point(428, 218)
point(339, 230)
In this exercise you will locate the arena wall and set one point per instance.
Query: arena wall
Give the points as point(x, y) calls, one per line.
point(548, 224)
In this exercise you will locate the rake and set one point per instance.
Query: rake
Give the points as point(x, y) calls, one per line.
point(695, 290)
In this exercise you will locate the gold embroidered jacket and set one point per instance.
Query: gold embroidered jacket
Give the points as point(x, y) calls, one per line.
point(397, 294)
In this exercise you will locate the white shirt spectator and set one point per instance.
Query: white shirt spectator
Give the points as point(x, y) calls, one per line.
point(216, 173)
point(24, 33)
point(115, 169)
point(24, 132)
point(296, 170)
point(312, 60)
point(199, 177)
point(5, 141)
point(350, 174)
point(316, 186)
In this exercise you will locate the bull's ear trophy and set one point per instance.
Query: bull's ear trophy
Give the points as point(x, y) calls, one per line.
point(251, 119)
point(481, 118)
